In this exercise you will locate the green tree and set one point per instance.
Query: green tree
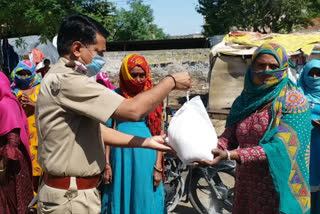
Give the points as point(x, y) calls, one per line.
point(100, 10)
point(29, 17)
point(36, 17)
point(260, 15)
point(136, 23)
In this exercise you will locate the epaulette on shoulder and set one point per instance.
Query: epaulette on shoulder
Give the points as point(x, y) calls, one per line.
point(80, 68)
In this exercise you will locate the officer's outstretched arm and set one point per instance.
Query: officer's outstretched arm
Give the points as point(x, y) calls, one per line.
point(142, 104)
point(115, 138)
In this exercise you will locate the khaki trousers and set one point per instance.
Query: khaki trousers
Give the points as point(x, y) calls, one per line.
point(71, 201)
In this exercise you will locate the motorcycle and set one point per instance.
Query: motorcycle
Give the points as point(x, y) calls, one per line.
point(209, 189)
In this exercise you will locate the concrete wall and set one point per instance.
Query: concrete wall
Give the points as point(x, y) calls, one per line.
point(163, 62)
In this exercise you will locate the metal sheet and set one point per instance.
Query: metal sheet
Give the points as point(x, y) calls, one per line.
point(226, 80)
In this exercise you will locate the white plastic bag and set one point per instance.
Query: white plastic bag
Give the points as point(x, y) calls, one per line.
point(191, 133)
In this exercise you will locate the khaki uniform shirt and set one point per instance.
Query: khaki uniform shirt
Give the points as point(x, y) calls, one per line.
point(69, 111)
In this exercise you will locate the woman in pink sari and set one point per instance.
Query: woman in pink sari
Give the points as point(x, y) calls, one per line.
point(103, 79)
point(16, 190)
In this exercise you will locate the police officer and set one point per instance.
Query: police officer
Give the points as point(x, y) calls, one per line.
point(69, 112)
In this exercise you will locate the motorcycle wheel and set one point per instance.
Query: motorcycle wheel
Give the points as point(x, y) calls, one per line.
point(173, 201)
point(203, 197)
point(174, 182)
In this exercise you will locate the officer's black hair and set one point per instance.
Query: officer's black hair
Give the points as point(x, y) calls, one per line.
point(81, 28)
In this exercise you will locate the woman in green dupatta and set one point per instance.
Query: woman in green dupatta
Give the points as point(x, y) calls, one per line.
point(268, 134)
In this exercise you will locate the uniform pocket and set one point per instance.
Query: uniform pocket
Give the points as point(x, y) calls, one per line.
point(52, 200)
point(47, 207)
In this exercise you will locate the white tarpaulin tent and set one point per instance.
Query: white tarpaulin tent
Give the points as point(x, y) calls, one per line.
point(31, 42)
point(12, 52)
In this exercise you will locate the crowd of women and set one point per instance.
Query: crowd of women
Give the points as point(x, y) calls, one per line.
point(268, 134)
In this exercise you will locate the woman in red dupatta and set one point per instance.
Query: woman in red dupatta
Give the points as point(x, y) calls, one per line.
point(134, 176)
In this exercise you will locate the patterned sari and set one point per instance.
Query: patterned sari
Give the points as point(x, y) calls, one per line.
point(286, 140)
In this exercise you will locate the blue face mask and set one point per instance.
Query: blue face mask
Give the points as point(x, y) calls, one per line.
point(95, 66)
point(312, 82)
point(24, 82)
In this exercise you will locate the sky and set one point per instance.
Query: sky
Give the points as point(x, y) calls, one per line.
point(175, 17)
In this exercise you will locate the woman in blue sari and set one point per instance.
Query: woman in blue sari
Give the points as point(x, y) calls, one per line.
point(133, 176)
point(309, 83)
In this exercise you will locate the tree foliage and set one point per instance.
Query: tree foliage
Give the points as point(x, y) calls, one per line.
point(100, 10)
point(136, 23)
point(28, 17)
point(36, 17)
point(259, 15)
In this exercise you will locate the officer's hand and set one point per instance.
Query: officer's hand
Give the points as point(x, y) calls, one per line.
point(157, 143)
point(183, 80)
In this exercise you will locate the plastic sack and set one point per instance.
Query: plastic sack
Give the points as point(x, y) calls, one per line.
point(191, 133)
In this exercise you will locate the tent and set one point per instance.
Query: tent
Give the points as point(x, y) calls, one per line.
point(230, 59)
point(18, 47)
